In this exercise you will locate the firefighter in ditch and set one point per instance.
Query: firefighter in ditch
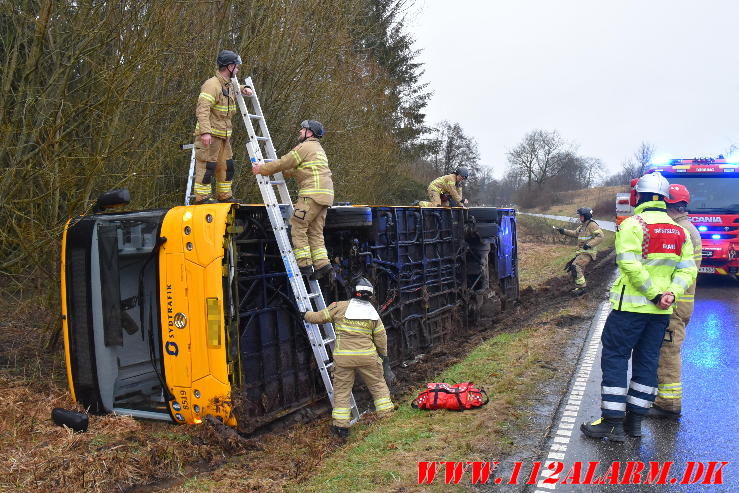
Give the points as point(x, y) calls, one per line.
point(446, 187)
point(589, 235)
point(361, 348)
point(670, 390)
point(213, 155)
point(308, 163)
point(655, 262)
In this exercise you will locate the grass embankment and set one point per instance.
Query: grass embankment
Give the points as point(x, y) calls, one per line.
point(119, 453)
point(601, 199)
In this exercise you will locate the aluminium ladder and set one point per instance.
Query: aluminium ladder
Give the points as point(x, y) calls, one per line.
point(303, 296)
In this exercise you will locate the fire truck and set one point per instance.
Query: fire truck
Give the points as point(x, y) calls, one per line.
point(713, 184)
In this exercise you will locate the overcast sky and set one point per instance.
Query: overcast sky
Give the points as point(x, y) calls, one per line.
point(606, 74)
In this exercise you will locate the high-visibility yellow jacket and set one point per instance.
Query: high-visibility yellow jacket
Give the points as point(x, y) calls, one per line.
point(654, 255)
point(588, 233)
point(214, 109)
point(447, 185)
point(695, 238)
point(358, 342)
point(308, 164)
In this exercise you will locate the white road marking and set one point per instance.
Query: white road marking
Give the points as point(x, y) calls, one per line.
point(567, 421)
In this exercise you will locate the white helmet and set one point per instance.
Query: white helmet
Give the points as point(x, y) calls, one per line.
point(653, 183)
point(364, 286)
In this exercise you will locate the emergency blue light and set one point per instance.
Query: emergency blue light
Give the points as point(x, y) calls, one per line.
point(702, 228)
point(716, 237)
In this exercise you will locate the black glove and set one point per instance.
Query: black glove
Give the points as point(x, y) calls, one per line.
point(560, 230)
point(389, 375)
point(656, 299)
point(586, 247)
point(302, 315)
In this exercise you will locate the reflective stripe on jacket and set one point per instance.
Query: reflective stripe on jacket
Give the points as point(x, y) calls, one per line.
point(588, 233)
point(308, 164)
point(357, 341)
point(214, 109)
point(651, 264)
point(447, 185)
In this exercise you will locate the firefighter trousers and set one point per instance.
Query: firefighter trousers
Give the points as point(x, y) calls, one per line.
point(668, 373)
point(213, 161)
point(578, 267)
point(436, 199)
point(372, 374)
point(637, 336)
point(306, 229)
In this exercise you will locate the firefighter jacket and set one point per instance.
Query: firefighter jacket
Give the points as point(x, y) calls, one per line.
point(358, 342)
point(447, 185)
point(216, 105)
point(308, 164)
point(654, 255)
point(588, 233)
point(695, 238)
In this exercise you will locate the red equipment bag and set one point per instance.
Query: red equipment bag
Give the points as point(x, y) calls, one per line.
point(457, 397)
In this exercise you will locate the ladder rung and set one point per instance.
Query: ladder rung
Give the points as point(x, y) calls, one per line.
point(262, 138)
point(329, 364)
point(328, 340)
point(313, 295)
point(277, 182)
point(255, 117)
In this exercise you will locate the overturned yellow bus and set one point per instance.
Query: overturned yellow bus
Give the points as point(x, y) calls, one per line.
point(176, 314)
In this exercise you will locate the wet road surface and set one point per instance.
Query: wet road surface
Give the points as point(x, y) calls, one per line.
point(709, 427)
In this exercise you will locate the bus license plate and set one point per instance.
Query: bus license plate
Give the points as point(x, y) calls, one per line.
point(707, 270)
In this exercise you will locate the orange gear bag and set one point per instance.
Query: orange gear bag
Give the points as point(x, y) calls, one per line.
point(457, 397)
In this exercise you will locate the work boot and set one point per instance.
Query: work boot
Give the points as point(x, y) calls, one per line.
point(307, 270)
point(611, 428)
point(416, 202)
point(321, 272)
point(632, 424)
point(207, 200)
point(342, 433)
point(579, 290)
point(660, 412)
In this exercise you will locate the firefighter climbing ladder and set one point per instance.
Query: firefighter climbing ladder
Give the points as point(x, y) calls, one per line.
point(318, 341)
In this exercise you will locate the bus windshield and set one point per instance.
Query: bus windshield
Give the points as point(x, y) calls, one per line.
point(717, 194)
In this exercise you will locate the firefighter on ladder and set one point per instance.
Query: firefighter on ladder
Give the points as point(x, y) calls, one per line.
point(446, 187)
point(213, 155)
point(589, 235)
point(308, 163)
point(655, 262)
point(361, 348)
point(668, 403)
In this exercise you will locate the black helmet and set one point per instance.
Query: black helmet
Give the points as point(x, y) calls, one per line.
point(586, 212)
point(227, 57)
point(463, 172)
point(364, 287)
point(314, 126)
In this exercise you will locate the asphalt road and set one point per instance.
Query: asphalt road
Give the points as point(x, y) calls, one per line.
point(708, 429)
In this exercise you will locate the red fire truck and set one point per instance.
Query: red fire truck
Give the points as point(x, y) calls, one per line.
point(713, 184)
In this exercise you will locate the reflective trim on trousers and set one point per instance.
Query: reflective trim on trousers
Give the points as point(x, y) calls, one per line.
point(635, 401)
point(646, 389)
point(613, 390)
point(613, 406)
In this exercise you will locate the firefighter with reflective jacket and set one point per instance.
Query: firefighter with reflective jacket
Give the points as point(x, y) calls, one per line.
point(589, 235)
point(655, 262)
point(361, 348)
point(213, 155)
point(669, 396)
point(308, 163)
point(446, 187)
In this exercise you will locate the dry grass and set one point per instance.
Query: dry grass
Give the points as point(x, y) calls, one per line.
point(590, 197)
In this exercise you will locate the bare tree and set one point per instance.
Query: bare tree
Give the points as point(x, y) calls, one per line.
point(633, 167)
point(537, 156)
point(451, 148)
